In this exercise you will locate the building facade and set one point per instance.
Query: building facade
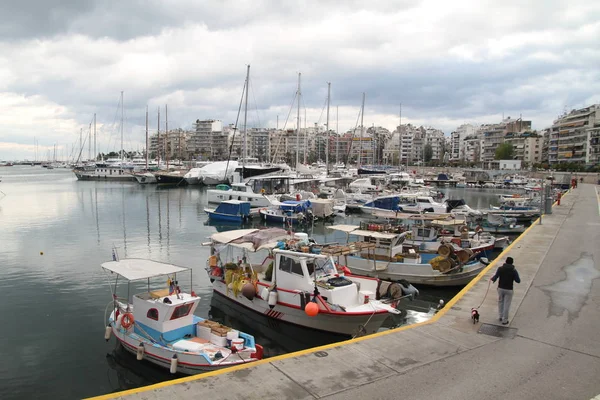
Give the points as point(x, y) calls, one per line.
point(572, 137)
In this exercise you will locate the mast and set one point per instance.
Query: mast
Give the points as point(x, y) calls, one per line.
point(122, 117)
point(327, 131)
point(298, 94)
point(400, 142)
point(245, 154)
point(95, 154)
point(80, 144)
point(146, 138)
point(167, 136)
point(337, 137)
point(362, 114)
point(158, 140)
point(89, 138)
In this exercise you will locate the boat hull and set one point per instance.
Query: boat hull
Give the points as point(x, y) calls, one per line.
point(417, 274)
point(348, 324)
point(216, 196)
point(84, 176)
point(215, 216)
point(188, 363)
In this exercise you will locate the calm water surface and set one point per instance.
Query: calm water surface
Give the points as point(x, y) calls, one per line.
point(54, 234)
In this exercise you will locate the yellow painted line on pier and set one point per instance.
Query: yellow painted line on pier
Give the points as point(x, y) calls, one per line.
point(433, 319)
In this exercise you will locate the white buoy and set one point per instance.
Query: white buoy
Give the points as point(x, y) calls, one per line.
point(107, 333)
point(140, 352)
point(174, 364)
point(272, 298)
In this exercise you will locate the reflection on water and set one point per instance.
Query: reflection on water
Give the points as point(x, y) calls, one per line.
point(54, 234)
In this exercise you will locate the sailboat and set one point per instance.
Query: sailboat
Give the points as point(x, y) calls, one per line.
point(111, 169)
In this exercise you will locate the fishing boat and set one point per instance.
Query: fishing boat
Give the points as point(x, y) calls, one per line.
point(293, 284)
point(288, 212)
point(495, 223)
point(160, 325)
point(230, 211)
point(389, 257)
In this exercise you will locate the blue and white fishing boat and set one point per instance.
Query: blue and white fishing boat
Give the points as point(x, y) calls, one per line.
point(160, 326)
point(390, 256)
point(230, 211)
point(288, 212)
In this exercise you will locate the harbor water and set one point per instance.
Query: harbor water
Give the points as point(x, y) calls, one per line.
point(55, 232)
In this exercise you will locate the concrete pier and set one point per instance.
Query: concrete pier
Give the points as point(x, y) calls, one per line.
point(550, 349)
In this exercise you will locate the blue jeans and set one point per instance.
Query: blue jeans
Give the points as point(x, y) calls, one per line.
point(504, 300)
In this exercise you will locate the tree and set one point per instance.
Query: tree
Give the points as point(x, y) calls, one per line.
point(427, 153)
point(505, 151)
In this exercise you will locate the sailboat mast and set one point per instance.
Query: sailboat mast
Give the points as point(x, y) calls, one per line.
point(167, 136)
point(146, 138)
point(327, 130)
point(158, 140)
point(95, 154)
point(360, 146)
point(298, 94)
point(400, 141)
point(80, 144)
point(89, 138)
point(246, 121)
point(337, 137)
point(122, 118)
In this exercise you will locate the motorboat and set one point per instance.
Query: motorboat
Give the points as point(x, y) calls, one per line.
point(214, 173)
point(171, 177)
point(160, 326)
point(294, 284)
point(230, 211)
point(495, 223)
point(288, 212)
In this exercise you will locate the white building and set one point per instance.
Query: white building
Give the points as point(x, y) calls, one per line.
point(457, 141)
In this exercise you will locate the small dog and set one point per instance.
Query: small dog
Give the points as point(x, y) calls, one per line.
point(474, 315)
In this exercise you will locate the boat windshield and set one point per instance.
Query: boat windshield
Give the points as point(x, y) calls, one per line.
point(320, 268)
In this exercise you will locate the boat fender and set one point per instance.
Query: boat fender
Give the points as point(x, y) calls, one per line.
point(127, 321)
point(272, 298)
point(107, 333)
point(140, 352)
point(173, 368)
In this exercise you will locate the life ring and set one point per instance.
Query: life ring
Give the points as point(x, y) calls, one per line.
point(478, 229)
point(127, 321)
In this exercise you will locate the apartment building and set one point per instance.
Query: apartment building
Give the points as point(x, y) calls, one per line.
point(457, 141)
point(527, 146)
point(573, 137)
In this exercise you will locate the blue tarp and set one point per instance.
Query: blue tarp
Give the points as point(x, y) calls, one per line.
point(242, 208)
point(295, 206)
point(386, 203)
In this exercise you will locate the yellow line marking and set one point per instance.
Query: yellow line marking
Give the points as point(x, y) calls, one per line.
point(433, 319)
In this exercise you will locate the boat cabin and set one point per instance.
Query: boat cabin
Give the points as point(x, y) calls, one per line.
point(166, 314)
point(301, 271)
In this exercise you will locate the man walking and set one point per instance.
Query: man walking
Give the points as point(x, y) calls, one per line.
point(507, 274)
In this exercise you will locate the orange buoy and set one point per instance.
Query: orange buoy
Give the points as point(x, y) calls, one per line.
point(311, 309)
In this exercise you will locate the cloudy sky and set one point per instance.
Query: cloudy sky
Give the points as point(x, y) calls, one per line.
point(446, 62)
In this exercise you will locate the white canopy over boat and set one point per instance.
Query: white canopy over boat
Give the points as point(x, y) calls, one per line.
point(136, 268)
point(353, 230)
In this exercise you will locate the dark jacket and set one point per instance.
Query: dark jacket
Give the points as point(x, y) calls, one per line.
point(507, 275)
